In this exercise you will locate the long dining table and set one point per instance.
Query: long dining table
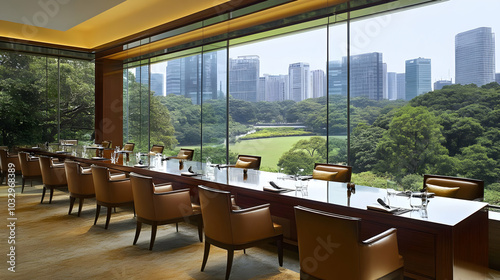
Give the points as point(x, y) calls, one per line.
point(433, 242)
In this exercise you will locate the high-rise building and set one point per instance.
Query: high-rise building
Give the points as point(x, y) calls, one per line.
point(244, 77)
point(418, 77)
point(184, 74)
point(441, 83)
point(497, 77)
point(401, 85)
point(475, 57)
point(298, 75)
point(276, 87)
point(318, 83)
point(157, 84)
point(337, 77)
point(261, 89)
point(392, 86)
point(142, 74)
point(385, 81)
point(367, 75)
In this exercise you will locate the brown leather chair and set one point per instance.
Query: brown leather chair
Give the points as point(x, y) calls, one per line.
point(455, 187)
point(156, 149)
point(129, 147)
point(53, 176)
point(110, 191)
point(330, 248)
point(185, 154)
point(332, 172)
point(106, 144)
point(5, 159)
point(235, 229)
point(80, 184)
point(248, 162)
point(73, 142)
point(30, 168)
point(160, 204)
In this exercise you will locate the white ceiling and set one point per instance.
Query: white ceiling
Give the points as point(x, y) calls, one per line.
point(53, 14)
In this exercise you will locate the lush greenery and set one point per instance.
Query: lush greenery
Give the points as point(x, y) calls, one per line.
point(269, 132)
point(43, 99)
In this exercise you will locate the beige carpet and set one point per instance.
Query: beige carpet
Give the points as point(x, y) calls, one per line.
point(50, 244)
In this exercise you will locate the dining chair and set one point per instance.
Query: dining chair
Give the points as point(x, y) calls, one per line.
point(110, 191)
point(330, 247)
point(454, 187)
point(5, 159)
point(30, 168)
point(53, 176)
point(235, 229)
point(156, 149)
point(160, 204)
point(80, 184)
point(332, 172)
point(248, 162)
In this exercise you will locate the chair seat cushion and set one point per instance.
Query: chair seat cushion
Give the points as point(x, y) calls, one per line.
point(443, 191)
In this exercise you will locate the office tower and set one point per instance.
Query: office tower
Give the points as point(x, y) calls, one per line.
point(142, 74)
point(298, 75)
point(261, 89)
point(337, 77)
point(401, 85)
point(276, 87)
point(392, 86)
point(475, 57)
point(184, 76)
point(418, 77)
point(441, 83)
point(497, 77)
point(367, 76)
point(318, 83)
point(157, 82)
point(384, 81)
point(244, 77)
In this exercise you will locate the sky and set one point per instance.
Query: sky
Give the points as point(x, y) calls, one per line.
point(428, 31)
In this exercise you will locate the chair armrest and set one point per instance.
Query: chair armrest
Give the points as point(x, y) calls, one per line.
point(380, 255)
point(173, 204)
point(251, 209)
point(117, 176)
point(163, 187)
point(252, 224)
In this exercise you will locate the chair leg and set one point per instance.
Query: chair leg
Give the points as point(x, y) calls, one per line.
point(230, 254)
point(51, 194)
point(153, 236)
point(280, 250)
point(80, 206)
point(22, 188)
point(108, 217)
point(71, 202)
point(43, 193)
point(97, 211)
point(200, 230)
point(137, 232)
point(177, 227)
point(205, 254)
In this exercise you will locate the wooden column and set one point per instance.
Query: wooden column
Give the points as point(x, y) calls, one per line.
point(109, 101)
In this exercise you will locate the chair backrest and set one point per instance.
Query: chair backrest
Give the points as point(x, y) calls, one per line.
point(49, 175)
point(186, 154)
point(471, 189)
point(106, 144)
point(143, 191)
point(216, 210)
point(77, 182)
point(324, 171)
point(328, 244)
point(3, 160)
point(27, 168)
point(248, 162)
point(157, 149)
point(129, 147)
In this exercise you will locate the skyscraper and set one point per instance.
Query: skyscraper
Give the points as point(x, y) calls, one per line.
point(401, 85)
point(367, 75)
point(497, 77)
point(244, 77)
point(418, 77)
point(392, 86)
point(276, 87)
point(441, 83)
point(298, 74)
point(157, 82)
point(337, 77)
point(318, 83)
point(475, 57)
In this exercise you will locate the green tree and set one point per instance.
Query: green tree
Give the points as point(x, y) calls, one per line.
point(412, 144)
point(475, 163)
point(364, 141)
point(303, 155)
